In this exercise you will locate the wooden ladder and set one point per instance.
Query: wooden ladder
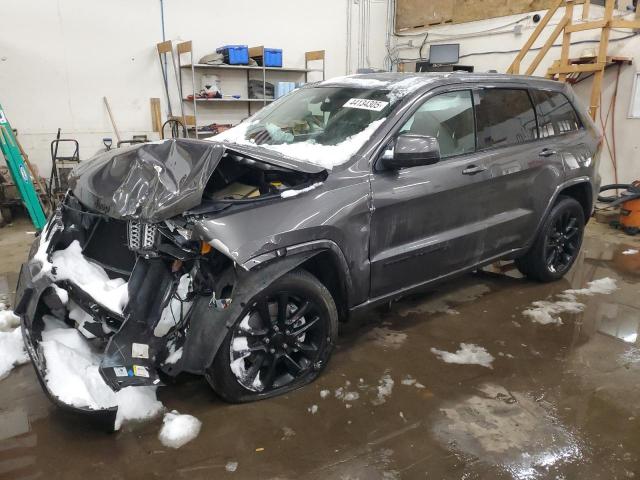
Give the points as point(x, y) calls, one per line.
point(564, 68)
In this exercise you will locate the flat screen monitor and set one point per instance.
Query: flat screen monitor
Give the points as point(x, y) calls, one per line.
point(445, 53)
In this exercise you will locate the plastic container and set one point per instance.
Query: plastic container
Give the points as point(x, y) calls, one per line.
point(272, 57)
point(235, 54)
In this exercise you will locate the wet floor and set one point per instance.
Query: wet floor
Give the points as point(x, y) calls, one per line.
point(561, 401)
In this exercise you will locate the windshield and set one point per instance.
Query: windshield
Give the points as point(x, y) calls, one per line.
point(322, 125)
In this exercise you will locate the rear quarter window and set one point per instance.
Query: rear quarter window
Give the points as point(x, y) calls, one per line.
point(556, 115)
point(504, 117)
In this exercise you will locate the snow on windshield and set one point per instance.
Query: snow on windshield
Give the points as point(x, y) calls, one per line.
point(326, 156)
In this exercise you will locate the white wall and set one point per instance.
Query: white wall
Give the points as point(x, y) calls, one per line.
point(58, 58)
point(475, 41)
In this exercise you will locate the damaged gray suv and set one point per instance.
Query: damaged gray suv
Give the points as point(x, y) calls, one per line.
point(236, 257)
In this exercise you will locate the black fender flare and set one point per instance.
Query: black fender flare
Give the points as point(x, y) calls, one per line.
point(209, 325)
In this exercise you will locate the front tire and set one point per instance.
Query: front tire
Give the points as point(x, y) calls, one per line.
point(280, 342)
point(557, 244)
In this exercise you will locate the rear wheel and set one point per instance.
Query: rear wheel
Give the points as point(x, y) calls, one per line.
point(557, 244)
point(281, 342)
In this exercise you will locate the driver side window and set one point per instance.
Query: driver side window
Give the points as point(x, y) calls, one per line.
point(448, 117)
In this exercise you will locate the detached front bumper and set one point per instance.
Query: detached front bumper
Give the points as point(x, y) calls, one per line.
point(126, 349)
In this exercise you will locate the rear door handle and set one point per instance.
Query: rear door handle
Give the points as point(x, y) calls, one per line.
point(473, 169)
point(547, 152)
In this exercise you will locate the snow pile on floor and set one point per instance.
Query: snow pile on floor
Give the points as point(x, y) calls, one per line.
point(295, 193)
point(548, 312)
point(70, 264)
point(12, 352)
point(313, 409)
point(467, 354)
point(343, 393)
point(178, 429)
point(231, 466)
point(630, 251)
point(326, 156)
point(385, 387)
point(73, 376)
point(8, 319)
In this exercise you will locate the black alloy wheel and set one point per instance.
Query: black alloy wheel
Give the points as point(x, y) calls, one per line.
point(281, 341)
point(557, 243)
point(562, 242)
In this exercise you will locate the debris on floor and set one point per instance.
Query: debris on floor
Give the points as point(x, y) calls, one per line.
point(467, 354)
point(385, 387)
point(179, 429)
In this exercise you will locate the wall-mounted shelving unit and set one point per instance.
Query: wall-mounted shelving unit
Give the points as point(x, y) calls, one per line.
point(252, 73)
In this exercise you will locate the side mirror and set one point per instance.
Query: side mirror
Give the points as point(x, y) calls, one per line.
point(412, 151)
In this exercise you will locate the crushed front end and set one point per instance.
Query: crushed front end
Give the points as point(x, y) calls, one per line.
point(105, 304)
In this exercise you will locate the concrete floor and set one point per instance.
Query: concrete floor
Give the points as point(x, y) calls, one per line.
point(560, 402)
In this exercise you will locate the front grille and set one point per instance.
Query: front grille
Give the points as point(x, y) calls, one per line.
point(141, 236)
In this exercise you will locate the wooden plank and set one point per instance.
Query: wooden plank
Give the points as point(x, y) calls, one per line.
point(156, 116)
point(515, 65)
point(596, 87)
point(585, 67)
point(547, 45)
point(164, 47)
point(314, 55)
point(566, 40)
point(184, 47)
point(190, 120)
point(632, 24)
point(585, 9)
point(578, 27)
point(420, 14)
point(412, 14)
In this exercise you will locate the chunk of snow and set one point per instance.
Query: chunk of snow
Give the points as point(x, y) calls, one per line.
point(69, 264)
point(174, 357)
point(603, 286)
point(231, 466)
point(467, 354)
point(72, 375)
point(12, 352)
point(240, 344)
point(62, 294)
point(176, 310)
point(385, 387)
point(324, 394)
point(407, 86)
point(408, 380)
point(630, 251)
point(179, 429)
point(355, 81)
point(548, 312)
point(8, 320)
point(295, 193)
point(313, 409)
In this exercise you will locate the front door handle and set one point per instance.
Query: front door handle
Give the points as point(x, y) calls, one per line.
point(473, 169)
point(547, 152)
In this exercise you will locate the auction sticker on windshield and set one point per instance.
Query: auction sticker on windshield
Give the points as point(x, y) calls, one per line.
point(366, 104)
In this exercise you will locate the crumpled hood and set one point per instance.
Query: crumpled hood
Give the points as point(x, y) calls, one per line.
point(150, 182)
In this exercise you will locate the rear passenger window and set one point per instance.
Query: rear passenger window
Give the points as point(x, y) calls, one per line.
point(447, 117)
point(504, 117)
point(555, 113)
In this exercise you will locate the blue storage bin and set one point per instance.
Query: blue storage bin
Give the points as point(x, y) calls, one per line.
point(273, 57)
point(235, 54)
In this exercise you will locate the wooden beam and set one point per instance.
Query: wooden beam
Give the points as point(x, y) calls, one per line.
point(586, 26)
point(547, 45)
point(515, 65)
point(566, 40)
point(585, 9)
point(632, 24)
point(584, 67)
point(596, 88)
point(156, 116)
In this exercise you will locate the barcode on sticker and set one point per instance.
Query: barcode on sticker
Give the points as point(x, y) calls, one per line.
point(366, 104)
